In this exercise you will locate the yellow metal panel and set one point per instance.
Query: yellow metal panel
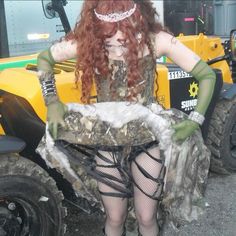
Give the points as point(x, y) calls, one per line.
point(1, 130)
point(25, 84)
point(162, 86)
point(65, 67)
point(226, 73)
point(19, 58)
point(207, 48)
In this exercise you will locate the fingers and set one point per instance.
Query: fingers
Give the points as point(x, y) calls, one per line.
point(181, 135)
point(178, 137)
point(55, 115)
point(62, 123)
point(183, 130)
point(65, 108)
point(54, 130)
point(53, 127)
point(178, 126)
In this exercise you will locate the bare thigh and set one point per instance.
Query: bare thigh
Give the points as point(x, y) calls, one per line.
point(145, 205)
point(114, 206)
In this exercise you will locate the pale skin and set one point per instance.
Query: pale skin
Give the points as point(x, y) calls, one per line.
point(165, 45)
point(145, 207)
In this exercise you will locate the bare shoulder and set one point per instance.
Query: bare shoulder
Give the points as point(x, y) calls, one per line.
point(64, 50)
point(168, 45)
point(162, 35)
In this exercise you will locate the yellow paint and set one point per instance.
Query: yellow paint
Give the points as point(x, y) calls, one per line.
point(1, 130)
point(193, 90)
point(24, 83)
point(21, 58)
point(162, 86)
point(207, 48)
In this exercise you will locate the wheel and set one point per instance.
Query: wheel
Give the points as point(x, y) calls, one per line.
point(30, 203)
point(221, 138)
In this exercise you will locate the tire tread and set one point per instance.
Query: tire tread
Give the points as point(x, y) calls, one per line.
point(14, 164)
point(217, 133)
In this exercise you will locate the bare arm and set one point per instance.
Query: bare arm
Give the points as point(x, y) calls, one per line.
point(64, 50)
point(58, 52)
point(168, 45)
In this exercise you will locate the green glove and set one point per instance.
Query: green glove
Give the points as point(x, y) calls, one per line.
point(184, 129)
point(56, 109)
point(55, 117)
point(206, 78)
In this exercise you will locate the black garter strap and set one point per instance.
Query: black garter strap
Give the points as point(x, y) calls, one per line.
point(84, 156)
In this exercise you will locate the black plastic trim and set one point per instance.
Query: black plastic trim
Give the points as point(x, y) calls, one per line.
point(228, 91)
point(215, 97)
point(4, 47)
point(18, 119)
point(10, 144)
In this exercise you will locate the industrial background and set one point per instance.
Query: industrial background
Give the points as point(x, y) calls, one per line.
point(26, 28)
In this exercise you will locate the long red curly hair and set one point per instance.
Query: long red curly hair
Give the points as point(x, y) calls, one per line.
point(90, 34)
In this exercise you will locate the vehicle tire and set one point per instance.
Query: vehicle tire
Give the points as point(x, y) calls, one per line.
point(30, 203)
point(221, 138)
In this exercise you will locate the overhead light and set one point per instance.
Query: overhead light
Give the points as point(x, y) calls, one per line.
point(37, 36)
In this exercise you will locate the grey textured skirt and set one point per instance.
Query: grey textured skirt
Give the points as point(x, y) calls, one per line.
point(126, 130)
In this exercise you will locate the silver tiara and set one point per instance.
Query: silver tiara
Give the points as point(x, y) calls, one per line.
point(115, 17)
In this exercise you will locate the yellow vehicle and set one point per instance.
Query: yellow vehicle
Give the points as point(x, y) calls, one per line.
point(23, 116)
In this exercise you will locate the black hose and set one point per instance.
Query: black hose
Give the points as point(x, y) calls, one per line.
point(222, 58)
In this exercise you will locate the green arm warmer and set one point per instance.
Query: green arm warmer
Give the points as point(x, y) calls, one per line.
point(55, 108)
point(206, 78)
point(45, 64)
point(45, 61)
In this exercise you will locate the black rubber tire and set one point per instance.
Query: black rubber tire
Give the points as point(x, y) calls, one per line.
point(219, 140)
point(21, 180)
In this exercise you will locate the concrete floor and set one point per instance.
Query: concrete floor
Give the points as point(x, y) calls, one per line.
point(219, 218)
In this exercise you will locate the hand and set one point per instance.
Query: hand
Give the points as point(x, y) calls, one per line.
point(183, 130)
point(55, 116)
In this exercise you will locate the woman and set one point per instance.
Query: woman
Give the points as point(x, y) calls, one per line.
point(117, 42)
